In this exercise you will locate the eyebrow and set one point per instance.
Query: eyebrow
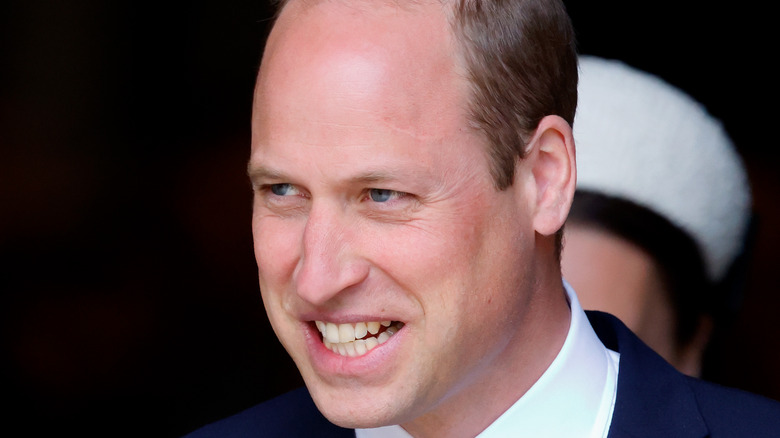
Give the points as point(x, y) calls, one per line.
point(258, 173)
point(374, 177)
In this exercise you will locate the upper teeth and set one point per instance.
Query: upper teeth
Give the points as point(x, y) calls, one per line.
point(351, 340)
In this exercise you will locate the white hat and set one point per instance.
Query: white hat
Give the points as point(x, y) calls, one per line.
point(639, 138)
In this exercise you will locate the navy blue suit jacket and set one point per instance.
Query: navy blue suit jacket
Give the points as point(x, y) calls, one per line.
point(653, 400)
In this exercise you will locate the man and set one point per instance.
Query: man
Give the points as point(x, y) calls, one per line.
point(658, 229)
point(412, 165)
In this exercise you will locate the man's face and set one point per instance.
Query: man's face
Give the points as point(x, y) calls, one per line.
point(374, 203)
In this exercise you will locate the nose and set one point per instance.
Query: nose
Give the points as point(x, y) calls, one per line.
point(331, 260)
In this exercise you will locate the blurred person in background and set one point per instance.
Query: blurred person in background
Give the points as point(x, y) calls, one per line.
point(661, 216)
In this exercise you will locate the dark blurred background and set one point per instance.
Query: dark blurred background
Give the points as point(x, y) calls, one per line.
point(128, 285)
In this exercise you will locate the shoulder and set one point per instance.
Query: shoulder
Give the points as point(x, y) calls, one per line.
point(729, 410)
point(289, 415)
point(654, 399)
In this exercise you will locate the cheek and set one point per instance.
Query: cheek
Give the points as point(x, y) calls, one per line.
point(428, 249)
point(276, 245)
point(432, 260)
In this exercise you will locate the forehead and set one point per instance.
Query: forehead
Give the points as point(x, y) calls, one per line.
point(376, 23)
point(395, 59)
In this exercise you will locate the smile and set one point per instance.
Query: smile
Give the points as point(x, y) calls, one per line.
point(356, 339)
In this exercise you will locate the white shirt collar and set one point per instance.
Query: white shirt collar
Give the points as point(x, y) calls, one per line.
point(574, 397)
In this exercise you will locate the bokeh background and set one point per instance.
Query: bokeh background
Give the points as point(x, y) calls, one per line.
point(129, 304)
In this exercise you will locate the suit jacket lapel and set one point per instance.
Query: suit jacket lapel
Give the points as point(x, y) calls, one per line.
point(653, 399)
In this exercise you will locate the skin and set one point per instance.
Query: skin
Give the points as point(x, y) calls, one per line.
point(350, 100)
point(614, 275)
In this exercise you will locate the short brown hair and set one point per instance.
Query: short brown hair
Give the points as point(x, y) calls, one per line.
point(521, 59)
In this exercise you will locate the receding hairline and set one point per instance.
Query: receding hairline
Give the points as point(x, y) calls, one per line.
point(280, 4)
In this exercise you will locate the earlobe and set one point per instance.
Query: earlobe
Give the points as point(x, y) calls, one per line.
point(551, 156)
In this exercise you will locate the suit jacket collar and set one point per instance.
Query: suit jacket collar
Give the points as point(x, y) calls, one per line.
point(653, 399)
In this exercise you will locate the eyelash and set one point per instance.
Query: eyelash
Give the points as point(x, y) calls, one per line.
point(278, 196)
point(271, 188)
point(393, 195)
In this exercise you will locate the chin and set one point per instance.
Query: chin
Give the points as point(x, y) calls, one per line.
point(362, 416)
point(357, 409)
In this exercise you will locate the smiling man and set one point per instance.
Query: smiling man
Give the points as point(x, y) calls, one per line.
point(412, 165)
point(397, 275)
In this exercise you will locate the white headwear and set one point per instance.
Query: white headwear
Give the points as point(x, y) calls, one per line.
point(643, 140)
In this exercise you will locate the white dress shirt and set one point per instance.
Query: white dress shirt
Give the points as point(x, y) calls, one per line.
point(575, 397)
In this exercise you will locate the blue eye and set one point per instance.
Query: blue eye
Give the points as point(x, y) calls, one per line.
point(381, 195)
point(281, 189)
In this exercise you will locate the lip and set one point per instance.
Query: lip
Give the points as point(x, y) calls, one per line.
point(374, 363)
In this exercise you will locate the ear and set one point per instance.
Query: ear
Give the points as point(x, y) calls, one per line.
point(552, 173)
